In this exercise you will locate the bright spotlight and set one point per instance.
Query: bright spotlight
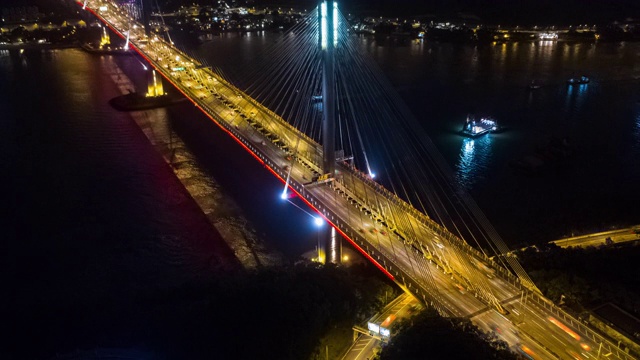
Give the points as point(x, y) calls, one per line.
point(284, 195)
point(318, 221)
point(372, 175)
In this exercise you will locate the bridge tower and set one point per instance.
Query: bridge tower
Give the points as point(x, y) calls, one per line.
point(328, 18)
point(329, 244)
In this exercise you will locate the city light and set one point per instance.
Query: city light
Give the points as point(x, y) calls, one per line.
point(323, 24)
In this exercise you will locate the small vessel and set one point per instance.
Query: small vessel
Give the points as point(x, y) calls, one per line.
point(534, 85)
point(106, 49)
point(578, 81)
point(316, 98)
point(135, 101)
point(475, 127)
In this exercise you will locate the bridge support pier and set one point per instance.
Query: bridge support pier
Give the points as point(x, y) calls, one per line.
point(329, 246)
point(154, 84)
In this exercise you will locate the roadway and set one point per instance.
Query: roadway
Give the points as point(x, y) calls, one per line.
point(597, 239)
point(367, 344)
point(436, 266)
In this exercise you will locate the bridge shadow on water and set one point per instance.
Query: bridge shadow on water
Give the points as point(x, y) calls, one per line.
point(255, 190)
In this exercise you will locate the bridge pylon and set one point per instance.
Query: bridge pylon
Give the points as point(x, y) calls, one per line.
point(329, 244)
point(328, 19)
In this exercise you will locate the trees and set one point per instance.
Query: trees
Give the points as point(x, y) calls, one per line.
point(427, 335)
point(586, 276)
point(278, 313)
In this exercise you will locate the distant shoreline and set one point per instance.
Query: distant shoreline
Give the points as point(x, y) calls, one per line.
point(45, 46)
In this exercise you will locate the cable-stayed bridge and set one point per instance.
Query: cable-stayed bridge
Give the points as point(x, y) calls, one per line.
point(420, 254)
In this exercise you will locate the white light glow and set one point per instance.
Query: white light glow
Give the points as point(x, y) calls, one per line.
point(323, 25)
point(373, 327)
point(335, 24)
point(318, 221)
point(385, 332)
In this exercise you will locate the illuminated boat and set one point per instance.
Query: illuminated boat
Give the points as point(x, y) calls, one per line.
point(106, 49)
point(475, 127)
point(578, 81)
point(548, 36)
point(134, 101)
point(534, 85)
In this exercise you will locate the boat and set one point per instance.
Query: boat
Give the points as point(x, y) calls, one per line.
point(578, 81)
point(534, 85)
point(106, 49)
point(475, 127)
point(134, 101)
point(316, 98)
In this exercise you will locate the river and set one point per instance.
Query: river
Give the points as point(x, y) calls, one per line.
point(592, 189)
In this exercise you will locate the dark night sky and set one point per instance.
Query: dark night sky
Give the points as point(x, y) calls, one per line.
point(514, 11)
point(492, 11)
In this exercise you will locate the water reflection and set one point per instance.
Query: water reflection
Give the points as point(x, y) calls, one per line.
point(575, 98)
point(636, 132)
point(473, 160)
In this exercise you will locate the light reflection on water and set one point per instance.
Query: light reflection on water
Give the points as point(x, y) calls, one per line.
point(576, 97)
point(473, 160)
point(636, 133)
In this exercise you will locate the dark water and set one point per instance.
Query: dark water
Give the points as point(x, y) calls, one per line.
point(594, 188)
point(94, 219)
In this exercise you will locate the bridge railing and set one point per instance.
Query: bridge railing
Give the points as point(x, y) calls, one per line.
point(584, 328)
